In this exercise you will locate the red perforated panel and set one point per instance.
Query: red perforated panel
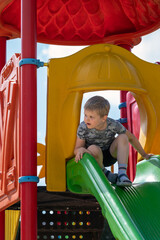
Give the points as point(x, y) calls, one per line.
point(9, 133)
point(73, 22)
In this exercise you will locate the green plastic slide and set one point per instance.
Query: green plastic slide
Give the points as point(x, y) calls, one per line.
point(132, 213)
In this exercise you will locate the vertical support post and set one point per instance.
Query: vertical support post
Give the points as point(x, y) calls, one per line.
point(28, 129)
point(123, 111)
point(123, 114)
point(2, 63)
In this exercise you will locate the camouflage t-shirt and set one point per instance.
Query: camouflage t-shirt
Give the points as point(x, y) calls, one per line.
point(101, 138)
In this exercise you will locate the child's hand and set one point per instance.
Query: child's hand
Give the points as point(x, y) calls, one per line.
point(80, 153)
point(147, 156)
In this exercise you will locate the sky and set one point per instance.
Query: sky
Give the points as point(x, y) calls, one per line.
point(148, 50)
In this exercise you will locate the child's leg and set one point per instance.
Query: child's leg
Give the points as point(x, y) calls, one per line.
point(96, 152)
point(120, 149)
point(112, 177)
point(108, 161)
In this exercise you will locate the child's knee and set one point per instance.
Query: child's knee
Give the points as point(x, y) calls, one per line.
point(122, 139)
point(95, 150)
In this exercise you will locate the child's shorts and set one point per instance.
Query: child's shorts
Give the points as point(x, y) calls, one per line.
point(108, 160)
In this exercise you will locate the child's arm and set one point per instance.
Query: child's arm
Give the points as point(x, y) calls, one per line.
point(136, 144)
point(79, 149)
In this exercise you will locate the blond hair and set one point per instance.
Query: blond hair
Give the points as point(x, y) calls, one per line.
point(99, 104)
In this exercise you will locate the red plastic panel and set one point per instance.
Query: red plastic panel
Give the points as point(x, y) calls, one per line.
point(83, 22)
point(133, 119)
point(123, 110)
point(9, 133)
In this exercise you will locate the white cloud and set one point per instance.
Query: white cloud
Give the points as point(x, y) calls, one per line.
point(149, 48)
point(56, 51)
point(42, 182)
point(112, 96)
point(39, 134)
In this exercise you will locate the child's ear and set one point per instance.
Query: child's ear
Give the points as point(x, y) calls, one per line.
point(105, 117)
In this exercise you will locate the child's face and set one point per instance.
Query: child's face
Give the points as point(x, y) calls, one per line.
point(93, 120)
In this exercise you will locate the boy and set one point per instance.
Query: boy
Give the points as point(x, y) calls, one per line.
point(97, 135)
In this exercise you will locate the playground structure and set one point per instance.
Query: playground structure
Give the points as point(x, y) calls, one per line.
point(98, 67)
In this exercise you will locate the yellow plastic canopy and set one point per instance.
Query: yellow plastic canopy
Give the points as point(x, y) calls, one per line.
point(99, 67)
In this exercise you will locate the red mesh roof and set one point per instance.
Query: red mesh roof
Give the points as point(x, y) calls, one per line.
point(81, 22)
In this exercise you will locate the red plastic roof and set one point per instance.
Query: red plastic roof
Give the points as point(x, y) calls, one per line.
point(83, 22)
